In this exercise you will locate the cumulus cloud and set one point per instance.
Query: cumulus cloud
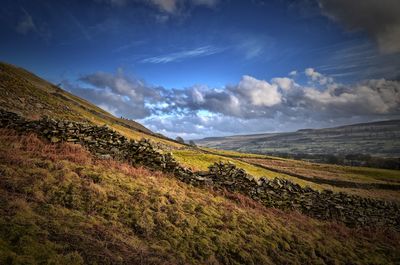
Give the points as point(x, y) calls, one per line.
point(284, 83)
point(370, 97)
point(259, 92)
point(197, 98)
point(252, 105)
point(121, 95)
point(380, 19)
point(317, 77)
point(116, 104)
point(120, 84)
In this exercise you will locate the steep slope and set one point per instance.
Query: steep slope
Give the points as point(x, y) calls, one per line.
point(32, 97)
point(61, 205)
point(375, 138)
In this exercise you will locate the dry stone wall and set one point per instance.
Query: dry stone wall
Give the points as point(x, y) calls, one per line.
point(279, 193)
point(326, 205)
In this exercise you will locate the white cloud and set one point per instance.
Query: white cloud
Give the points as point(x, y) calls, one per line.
point(260, 92)
point(284, 83)
point(318, 77)
point(119, 94)
point(368, 97)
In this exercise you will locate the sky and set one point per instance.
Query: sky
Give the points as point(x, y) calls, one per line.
point(201, 68)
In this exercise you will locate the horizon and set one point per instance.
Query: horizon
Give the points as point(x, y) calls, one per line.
point(209, 68)
point(345, 125)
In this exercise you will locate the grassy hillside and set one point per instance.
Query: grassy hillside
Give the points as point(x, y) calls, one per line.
point(32, 97)
point(61, 205)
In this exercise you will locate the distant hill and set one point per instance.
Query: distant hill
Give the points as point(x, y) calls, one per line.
point(381, 139)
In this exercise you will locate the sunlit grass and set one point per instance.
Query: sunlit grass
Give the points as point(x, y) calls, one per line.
point(199, 161)
point(231, 153)
point(376, 173)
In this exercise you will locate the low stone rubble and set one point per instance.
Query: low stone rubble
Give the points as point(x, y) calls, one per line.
point(279, 193)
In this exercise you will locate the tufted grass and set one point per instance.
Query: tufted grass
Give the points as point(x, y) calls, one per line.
point(59, 205)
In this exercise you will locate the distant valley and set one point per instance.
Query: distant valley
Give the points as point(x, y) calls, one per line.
point(378, 139)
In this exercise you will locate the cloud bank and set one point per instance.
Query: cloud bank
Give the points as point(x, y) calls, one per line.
point(117, 93)
point(252, 105)
point(380, 19)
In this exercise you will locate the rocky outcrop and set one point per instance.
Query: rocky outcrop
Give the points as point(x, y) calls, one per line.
point(279, 193)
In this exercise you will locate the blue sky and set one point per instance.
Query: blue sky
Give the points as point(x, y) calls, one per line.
point(199, 68)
